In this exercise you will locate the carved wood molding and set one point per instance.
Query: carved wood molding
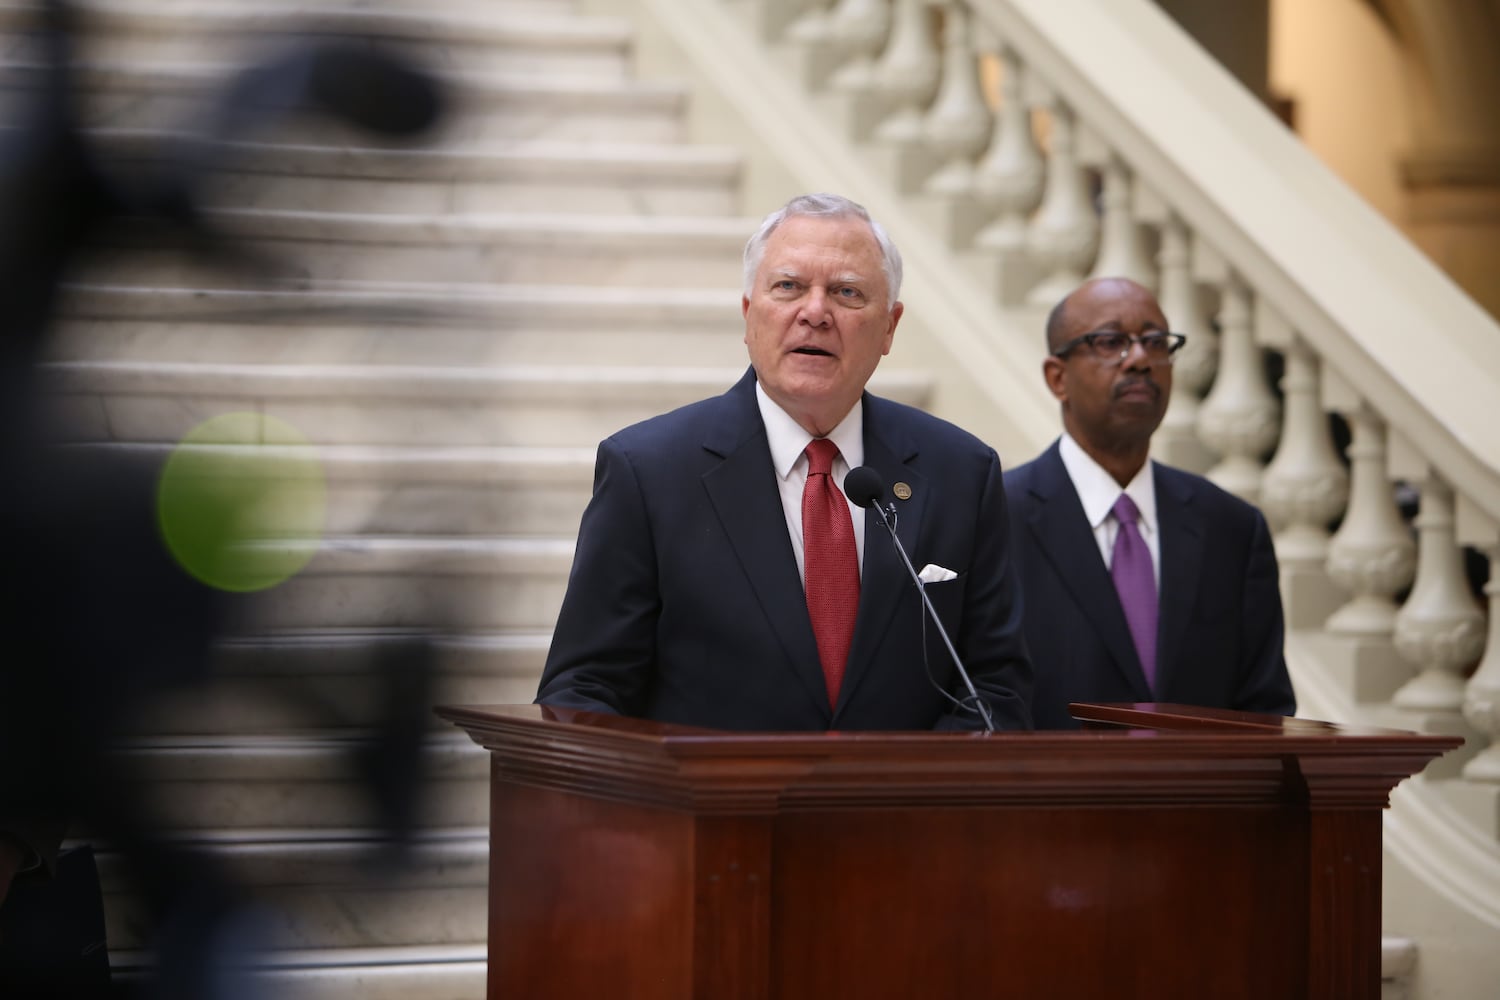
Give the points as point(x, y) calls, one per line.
point(1149, 755)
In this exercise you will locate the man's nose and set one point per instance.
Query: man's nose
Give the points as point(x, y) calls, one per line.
point(1136, 356)
point(815, 307)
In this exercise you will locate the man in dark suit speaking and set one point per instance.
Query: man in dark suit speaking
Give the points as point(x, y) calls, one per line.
point(1142, 582)
point(721, 578)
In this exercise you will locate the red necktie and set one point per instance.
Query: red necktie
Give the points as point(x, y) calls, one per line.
point(830, 563)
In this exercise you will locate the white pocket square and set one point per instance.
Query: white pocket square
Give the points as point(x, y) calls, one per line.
point(933, 573)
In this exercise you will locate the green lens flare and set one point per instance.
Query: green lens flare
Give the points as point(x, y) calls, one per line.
point(242, 502)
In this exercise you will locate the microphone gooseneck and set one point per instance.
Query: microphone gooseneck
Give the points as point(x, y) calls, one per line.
point(864, 486)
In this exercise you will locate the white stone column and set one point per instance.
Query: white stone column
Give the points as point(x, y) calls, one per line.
point(1305, 485)
point(1176, 442)
point(958, 124)
point(1064, 234)
point(1482, 695)
point(1304, 489)
point(1122, 241)
point(1439, 628)
point(908, 71)
point(1372, 555)
point(1240, 418)
point(1011, 174)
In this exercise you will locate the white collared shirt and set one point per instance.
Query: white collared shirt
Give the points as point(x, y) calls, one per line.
point(788, 442)
point(1098, 491)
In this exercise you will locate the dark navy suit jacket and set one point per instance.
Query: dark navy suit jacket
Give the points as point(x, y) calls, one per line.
point(1219, 639)
point(685, 605)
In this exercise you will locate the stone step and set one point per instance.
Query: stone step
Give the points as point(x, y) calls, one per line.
point(458, 584)
point(419, 490)
point(554, 307)
point(456, 972)
point(589, 176)
point(691, 337)
point(413, 972)
point(298, 683)
point(328, 889)
point(470, 325)
point(290, 782)
point(309, 247)
point(488, 106)
point(476, 38)
point(537, 406)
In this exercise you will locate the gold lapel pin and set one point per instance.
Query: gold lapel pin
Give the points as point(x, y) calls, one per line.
point(902, 491)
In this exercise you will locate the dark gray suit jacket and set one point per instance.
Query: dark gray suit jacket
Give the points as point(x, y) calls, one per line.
point(1219, 639)
point(684, 604)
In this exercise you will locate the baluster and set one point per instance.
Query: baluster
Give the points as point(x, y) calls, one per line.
point(1305, 487)
point(1372, 555)
point(1439, 628)
point(908, 71)
point(1122, 242)
point(1240, 416)
point(958, 126)
point(1011, 174)
point(848, 37)
point(1177, 442)
point(1482, 696)
point(777, 19)
point(1065, 232)
point(816, 24)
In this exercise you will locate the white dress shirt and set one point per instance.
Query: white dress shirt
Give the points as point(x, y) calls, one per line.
point(1098, 491)
point(788, 442)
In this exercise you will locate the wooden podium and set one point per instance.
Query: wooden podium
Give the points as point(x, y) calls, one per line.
point(1169, 853)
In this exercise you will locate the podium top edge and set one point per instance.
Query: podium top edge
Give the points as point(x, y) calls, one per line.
point(1111, 723)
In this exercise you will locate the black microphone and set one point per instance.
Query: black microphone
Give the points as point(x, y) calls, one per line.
point(865, 487)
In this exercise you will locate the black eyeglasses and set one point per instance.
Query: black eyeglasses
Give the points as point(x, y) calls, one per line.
point(1112, 347)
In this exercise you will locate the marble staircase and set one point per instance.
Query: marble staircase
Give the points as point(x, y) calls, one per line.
point(453, 324)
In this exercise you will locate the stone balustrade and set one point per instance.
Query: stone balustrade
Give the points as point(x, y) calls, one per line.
point(1062, 139)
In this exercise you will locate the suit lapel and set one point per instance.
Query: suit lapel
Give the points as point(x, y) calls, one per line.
point(1182, 537)
point(884, 577)
point(742, 489)
point(1057, 522)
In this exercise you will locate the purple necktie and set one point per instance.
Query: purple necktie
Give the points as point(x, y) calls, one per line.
point(1135, 582)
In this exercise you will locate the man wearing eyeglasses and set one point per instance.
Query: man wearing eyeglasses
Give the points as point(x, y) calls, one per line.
point(1140, 582)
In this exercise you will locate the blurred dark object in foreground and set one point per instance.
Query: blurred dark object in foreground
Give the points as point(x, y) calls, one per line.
point(52, 933)
point(96, 616)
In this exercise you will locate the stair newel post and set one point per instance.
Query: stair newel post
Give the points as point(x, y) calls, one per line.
point(1240, 418)
point(1064, 233)
point(959, 123)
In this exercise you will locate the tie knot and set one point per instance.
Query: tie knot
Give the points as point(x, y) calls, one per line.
point(820, 455)
point(1125, 510)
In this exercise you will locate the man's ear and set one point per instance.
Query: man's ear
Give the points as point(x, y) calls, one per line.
point(1054, 371)
point(890, 335)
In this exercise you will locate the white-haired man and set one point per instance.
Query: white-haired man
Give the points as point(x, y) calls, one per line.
point(722, 579)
